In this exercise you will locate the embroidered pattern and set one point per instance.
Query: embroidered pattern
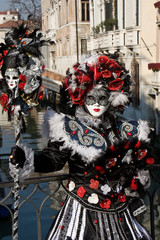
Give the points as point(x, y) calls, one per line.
point(105, 189)
point(112, 138)
point(93, 198)
point(106, 203)
point(71, 186)
point(94, 184)
point(81, 191)
point(83, 135)
point(128, 129)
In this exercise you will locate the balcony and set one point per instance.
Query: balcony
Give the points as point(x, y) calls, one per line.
point(155, 80)
point(127, 37)
point(50, 34)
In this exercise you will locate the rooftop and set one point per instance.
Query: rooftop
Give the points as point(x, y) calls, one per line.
point(8, 12)
point(11, 23)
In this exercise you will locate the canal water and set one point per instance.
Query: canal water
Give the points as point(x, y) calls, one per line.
point(27, 214)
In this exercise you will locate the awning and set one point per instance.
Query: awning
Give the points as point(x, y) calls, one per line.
point(154, 66)
point(157, 4)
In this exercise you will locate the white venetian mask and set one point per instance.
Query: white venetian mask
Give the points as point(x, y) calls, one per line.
point(96, 101)
point(12, 78)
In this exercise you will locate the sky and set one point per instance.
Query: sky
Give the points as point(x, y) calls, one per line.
point(4, 5)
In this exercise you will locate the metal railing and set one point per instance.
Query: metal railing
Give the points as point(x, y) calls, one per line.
point(150, 219)
point(36, 180)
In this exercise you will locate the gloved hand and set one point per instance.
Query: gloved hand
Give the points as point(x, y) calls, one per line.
point(17, 155)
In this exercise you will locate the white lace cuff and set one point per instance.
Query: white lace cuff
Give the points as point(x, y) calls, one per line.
point(28, 166)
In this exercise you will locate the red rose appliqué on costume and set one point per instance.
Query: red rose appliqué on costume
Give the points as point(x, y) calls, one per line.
point(94, 184)
point(111, 162)
point(142, 153)
point(106, 203)
point(121, 197)
point(81, 191)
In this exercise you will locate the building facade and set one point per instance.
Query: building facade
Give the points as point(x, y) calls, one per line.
point(9, 15)
point(66, 26)
point(126, 29)
point(155, 69)
point(8, 19)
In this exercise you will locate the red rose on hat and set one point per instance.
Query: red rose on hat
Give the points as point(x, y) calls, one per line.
point(103, 60)
point(116, 84)
point(106, 73)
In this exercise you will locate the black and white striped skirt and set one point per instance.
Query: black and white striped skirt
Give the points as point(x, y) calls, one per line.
point(74, 222)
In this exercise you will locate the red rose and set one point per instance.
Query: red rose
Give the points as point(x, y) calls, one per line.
point(106, 203)
point(134, 185)
point(84, 79)
point(94, 184)
point(4, 100)
point(106, 73)
point(115, 67)
point(142, 153)
point(81, 191)
point(22, 78)
point(102, 60)
point(111, 162)
point(121, 197)
point(116, 84)
point(21, 85)
point(150, 161)
point(83, 83)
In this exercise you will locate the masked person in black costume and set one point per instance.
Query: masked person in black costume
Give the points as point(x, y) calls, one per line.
point(109, 158)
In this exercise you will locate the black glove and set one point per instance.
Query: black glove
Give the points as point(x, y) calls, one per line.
point(137, 206)
point(17, 155)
